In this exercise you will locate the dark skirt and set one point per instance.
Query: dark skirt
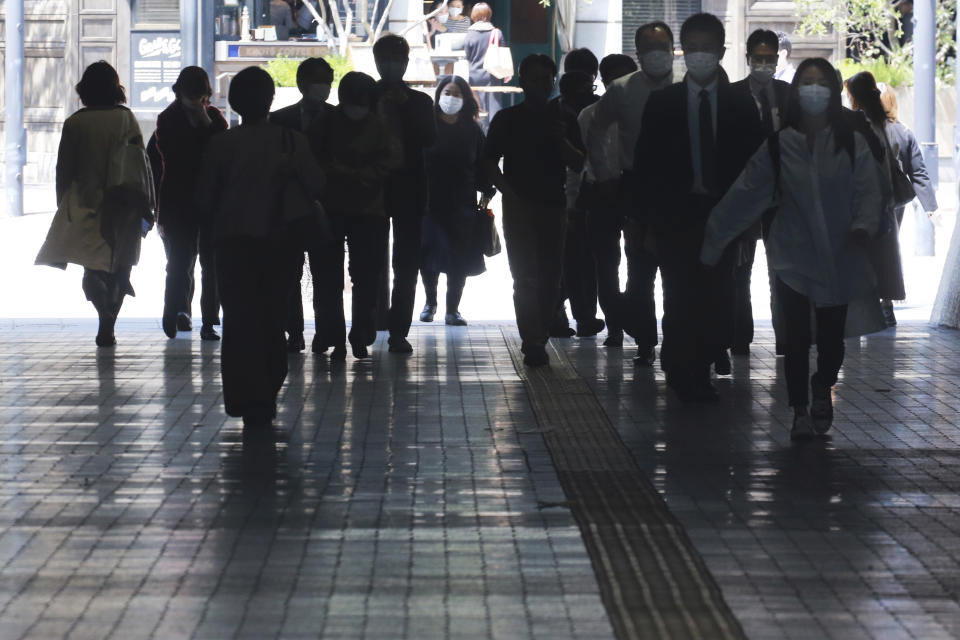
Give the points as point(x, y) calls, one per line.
point(449, 243)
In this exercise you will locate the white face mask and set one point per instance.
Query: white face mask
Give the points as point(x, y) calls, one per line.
point(318, 93)
point(442, 18)
point(455, 11)
point(762, 73)
point(450, 104)
point(355, 112)
point(701, 65)
point(657, 64)
point(814, 98)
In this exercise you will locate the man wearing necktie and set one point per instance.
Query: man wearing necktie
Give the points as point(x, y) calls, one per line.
point(695, 139)
point(770, 96)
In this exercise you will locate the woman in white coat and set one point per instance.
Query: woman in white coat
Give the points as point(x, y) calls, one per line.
point(104, 196)
point(823, 181)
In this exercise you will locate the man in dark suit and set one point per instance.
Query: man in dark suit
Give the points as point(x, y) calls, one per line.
point(314, 79)
point(409, 116)
point(695, 138)
point(770, 97)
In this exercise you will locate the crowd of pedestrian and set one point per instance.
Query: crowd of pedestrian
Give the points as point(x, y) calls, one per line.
point(687, 176)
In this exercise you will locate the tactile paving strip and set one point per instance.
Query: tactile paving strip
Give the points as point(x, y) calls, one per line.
point(653, 582)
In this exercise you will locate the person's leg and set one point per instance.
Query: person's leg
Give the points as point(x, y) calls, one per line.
point(603, 230)
point(431, 281)
point(273, 304)
point(366, 238)
point(776, 314)
point(520, 237)
point(743, 313)
point(209, 294)
point(551, 236)
point(178, 245)
point(406, 267)
point(293, 305)
point(795, 308)
point(831, 322)
point(455, 284)
point(327, 269)
point(96, 288)
point(639, 299)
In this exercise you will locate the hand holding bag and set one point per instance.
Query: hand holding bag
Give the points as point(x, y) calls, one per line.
point(488, 239)
point(498, 61)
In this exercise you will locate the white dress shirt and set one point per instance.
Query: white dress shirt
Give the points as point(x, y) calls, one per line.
point(693, 123)
point(621, 105)
point(822, 198)
point(755, 90)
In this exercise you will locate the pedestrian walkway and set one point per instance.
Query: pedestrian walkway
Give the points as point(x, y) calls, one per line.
point(454, 493)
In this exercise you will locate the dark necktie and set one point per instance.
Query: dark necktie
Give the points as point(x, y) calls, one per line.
point(765, 112)
point(708, 145)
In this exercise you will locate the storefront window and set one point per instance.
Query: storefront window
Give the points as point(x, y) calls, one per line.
point(148, 13)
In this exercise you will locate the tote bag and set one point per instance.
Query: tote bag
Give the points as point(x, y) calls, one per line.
point(498, 60)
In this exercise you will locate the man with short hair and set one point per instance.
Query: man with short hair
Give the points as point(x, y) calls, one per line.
point(696, 137)
point(537, 141)
point(623, 105)
point(409, 115)
point(308, 116)
point(785, 68)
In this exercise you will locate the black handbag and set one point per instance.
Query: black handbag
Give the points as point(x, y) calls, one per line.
point(301, 214)
point(486, 233)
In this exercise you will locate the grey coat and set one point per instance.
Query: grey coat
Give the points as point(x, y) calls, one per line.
point(905, 145)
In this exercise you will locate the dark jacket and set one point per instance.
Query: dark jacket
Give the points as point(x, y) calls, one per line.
point(781, 92)
point(662, 161)
point(292, 118)
point(475, 46)
point(181, 147)
point(413, 125)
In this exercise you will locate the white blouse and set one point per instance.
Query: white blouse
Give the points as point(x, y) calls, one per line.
point(822, 199)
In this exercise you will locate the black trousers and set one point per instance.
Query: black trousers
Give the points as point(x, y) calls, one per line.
point(743, 306)
point(534, 235)
point(455, 284)
point(579, 279)
point(831, 321)
point(182, 245)
point(294, 323)
point(639, 299)
point(604, 228)
point(106, 290)
point(366, 239)
point(407, 229)
point(253, 274)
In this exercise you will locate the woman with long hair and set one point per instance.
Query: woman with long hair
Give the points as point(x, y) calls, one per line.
point(454, 165)
point(104, 196)
point(822, 180)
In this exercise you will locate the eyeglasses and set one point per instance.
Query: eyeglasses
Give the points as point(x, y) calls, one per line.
point(763, 59)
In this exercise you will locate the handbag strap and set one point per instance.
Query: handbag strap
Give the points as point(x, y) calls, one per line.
point(494, 38)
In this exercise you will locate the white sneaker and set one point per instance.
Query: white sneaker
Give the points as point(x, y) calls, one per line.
point(802, 427)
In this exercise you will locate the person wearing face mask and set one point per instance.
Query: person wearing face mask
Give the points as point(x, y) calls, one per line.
point(695, 138)
point(455, 167)
point(822, 177)
point(309, 116)
point(475, 45)
point(183, 131)
point(537, 141)
point(408, 115)
point(359, 155)
point(621, 108)
point(770, 97)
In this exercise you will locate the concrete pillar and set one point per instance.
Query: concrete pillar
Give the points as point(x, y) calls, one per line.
point(189, 32)
point(16, 134)
point(600, 26)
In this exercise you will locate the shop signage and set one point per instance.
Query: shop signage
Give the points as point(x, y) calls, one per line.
point(156, 57)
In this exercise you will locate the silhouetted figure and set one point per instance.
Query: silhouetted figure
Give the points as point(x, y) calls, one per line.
point(770, 97)
point(358, 154)
point(579, 283)
point(823, 177)
point(695, 138)
point(104, 196)
point(621, 109)
point(604, 217)
point(457, 173)
point(183, 130)
point(475, 45)
point(408, 115)
point(310, 116)
point(537, 141)
point(256, 247)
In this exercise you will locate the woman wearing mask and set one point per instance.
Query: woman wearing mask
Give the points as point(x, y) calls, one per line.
point(98, 225)
point(183, 130)
point(865, 97)
point(449, 20)
point(479, 35)
point(454, 165)
point(822, 179)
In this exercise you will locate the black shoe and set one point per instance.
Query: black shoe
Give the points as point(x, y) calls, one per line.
point(779, 350)
point(536, 357)
point(359, 351)
point(589, 328)
point(614, 339)
point(888, 316)
point(398, 345)
point(169, 324)
point(740, 350)
point(295, 343)
point(645, 357)
point(208, 333)
point(454, 319)
point(429, 311)
point(339, 353)
point(104, 340)
point(722, 364)
point(318, 347)
point(562, 332)
point(184, 323)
